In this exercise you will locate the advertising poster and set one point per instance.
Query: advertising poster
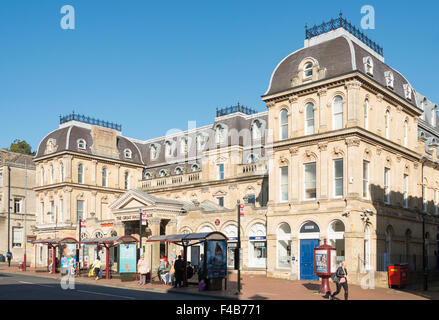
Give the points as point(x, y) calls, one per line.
point(216, 259)
point(127, 258)
point(321, 261)
point(68, 255)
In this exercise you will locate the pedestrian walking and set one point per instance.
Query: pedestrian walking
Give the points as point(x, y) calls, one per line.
point(341, 281)
point(179, 271)
point(9, 257)
point(142, 267)
point(171, 279)
point(96, 266)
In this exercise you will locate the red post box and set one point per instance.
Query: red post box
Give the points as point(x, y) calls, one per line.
point(398, 275)
point(325, 264)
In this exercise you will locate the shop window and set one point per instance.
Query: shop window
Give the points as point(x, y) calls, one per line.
point(284, 246)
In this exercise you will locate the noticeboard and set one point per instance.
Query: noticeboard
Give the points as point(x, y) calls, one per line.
point(127, 258)
point(321, 261)
point(216, 259)
point(68, 255)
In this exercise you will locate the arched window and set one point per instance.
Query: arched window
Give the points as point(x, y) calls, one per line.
point(337, 113)
point(336, 238)
point(80, 173)
point(61, 172)
point(389, 79)
point(183, 146)
point(81, 144)
point(309, 119)
point(284, 246)
point(406, 126)
point(178, 170)
point(256, 129)
point(220, 133)
point(168, 148)
point(52, 173)
point(153, 152)
point(368, 65)
point(366, 114)
point(104, 177)
point(162, 173)
point(127, 153)
point(195, 167)
point(283, 124)
point(147, 175)
point(387, 120)
point(127, 180)
point(307, 70)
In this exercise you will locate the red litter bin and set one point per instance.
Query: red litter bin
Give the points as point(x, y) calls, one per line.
point(398, 274)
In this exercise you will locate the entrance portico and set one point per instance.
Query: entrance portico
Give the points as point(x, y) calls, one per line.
point(162, 215)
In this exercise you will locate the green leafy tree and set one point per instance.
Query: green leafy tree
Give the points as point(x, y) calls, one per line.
point(21, 146)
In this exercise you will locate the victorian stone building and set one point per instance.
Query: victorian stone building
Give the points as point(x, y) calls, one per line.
point(347, 151)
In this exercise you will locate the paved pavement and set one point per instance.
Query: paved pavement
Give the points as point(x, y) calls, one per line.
point(253, 288)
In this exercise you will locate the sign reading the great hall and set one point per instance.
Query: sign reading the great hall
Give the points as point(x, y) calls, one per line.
point(135, 217)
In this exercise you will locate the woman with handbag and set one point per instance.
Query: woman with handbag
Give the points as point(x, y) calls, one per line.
point(341, 275)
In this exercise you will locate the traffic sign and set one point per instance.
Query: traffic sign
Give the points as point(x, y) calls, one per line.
point(144, 220)
point(83, 224)
point(241, 210)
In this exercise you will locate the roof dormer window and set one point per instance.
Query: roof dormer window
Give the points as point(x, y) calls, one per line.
point(407, 91)
point(389, 79)
point(307, 70)
point(178, 170)
point(368, 65)
point(163, 173)
point(127, 153)
point(195, 167)
point(81, 144)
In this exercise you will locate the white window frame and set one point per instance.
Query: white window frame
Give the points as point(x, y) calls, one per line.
point(128, 153)
point(335, 114)
point(283, 125)
point(336, 179)
point(388, 75)
point(405, 140)
point(81, 173)
point(195, 167)
point(366, 180)
point(283, 185)
point(283, 237)
point(80, 216)
point(127, 180)
point(15, 237)
point(17, 201)
point(306, 69)
point(387, 185)
point(387, 124)
point(104, 177)
point(406, 190)
point(305, 182)
point(308, 130)
point(366, 114)
point(82, 144)
point(368, 65)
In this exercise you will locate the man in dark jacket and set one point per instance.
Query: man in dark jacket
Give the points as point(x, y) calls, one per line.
point(179, 271)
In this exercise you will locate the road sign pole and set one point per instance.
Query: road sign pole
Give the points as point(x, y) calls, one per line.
point(239, 248)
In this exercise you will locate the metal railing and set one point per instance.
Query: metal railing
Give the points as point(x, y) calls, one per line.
point(233, 109)
point(341, 22)
point(89, 120)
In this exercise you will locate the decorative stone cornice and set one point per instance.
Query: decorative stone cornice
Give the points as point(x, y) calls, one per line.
point(293, 99)
point(294, 151)
point(322, 92)
point(270, 104)
point(379, 150)
point(352, 142)
point(380, 97)
point(354, 84)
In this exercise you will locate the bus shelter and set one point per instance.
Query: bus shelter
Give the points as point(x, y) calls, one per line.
point(191, 239)
point(108, 243)
point(54, 244)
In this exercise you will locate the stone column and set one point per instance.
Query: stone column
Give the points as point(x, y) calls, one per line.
point(323, 127)
point(68, 168)
point(154, 247)
point(323, 177)
point(354, 168)
point(353, 103)
point(292, 117)
point(68, 204)
point(117, 177)
point(294, 168)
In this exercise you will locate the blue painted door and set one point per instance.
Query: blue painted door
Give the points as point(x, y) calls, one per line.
point(307, 259)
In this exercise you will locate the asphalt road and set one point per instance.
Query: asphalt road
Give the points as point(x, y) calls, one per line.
point(25, 287)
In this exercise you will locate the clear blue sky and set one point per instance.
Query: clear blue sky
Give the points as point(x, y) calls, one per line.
point(154, 65)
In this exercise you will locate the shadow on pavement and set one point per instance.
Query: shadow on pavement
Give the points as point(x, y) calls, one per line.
point(258, 297)
point(312, 286)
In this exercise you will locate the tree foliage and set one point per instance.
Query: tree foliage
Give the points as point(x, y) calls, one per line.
point(21, 146)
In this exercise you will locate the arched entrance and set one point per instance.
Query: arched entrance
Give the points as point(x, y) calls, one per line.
point(257, 247)
point(309, 236)
point(284, 246)
point(231, 232)
point(336, 239)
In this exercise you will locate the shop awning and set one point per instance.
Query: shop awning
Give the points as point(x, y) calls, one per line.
point(55, 242)
point(111, 241)
point(186, 238)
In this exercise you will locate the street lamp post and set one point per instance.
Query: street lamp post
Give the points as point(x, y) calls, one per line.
point(238, 249)
point(9, 208)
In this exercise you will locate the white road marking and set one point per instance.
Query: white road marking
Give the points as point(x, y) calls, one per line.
point(106, 294)
point(25, 282)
